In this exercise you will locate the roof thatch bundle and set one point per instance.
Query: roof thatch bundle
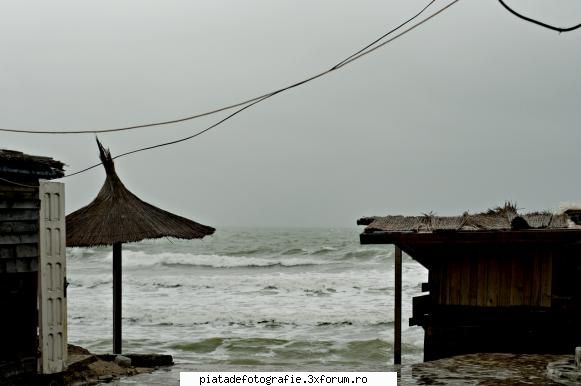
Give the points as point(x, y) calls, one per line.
point(15, 163)
point(503, 218)
point(118, 216)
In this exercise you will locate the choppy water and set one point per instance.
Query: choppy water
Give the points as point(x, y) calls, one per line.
point(261, 299)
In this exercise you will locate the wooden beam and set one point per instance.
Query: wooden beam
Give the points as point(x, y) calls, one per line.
point(397, 318)
point(117, 298)
point(536, 236)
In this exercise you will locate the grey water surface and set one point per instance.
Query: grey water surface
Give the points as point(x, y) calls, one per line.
point(248, 300)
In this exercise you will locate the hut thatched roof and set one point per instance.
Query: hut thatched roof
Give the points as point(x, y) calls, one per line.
point(499, 219)
point(15, 163)
point(118, 216)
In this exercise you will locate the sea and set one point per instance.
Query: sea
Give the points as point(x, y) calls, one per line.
point(245, 299)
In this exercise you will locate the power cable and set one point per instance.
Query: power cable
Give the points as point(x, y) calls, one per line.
point(542, 24)
point(229, 107)
point(345, 62)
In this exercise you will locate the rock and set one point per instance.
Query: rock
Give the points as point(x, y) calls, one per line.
point(77, 350)
point(88, 369)
point(142, 360)
point(123, 361)
point(578, 358)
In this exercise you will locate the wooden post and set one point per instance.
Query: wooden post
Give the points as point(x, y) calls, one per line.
point(117, 298)
point(397, 318)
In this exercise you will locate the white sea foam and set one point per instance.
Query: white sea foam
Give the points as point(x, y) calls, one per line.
point(281, 303)
point(140, 259)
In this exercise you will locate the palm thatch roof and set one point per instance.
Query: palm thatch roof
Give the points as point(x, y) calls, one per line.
point(118, 216)
point(499, 219)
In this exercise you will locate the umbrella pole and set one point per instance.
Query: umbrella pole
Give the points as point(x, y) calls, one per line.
point(117, 298)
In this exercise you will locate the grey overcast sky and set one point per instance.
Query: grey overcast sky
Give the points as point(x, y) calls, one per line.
point(472, 109)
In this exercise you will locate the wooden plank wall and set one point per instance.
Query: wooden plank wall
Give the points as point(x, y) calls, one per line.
point(566, 290)
point(502, 279)
point(19, 211)
point(19, 238)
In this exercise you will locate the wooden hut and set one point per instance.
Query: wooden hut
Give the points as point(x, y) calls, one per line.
point(32, 266)
point(498, 281)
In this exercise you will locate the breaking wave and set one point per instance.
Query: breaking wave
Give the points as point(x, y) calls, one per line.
point(137, 259)
point(272, 350)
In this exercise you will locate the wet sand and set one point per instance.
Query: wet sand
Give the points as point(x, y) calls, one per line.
point(482, 369)
point(473, 369)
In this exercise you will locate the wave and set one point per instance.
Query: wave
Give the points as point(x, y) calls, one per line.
point(249, 252)
point(343, 323)
point(365, 253)
point(234, 258)
point(90, 283)
point(234, 344)
point(202, 346)
point(272, 350)
point(260, 324)
point(79, 252)
point(323, 251)
point(247, 265)
point(333, 252)
point(165, 285)
point(168, 259)
point(294, 251)
point(379, 289)
point(373, 350)
point(320, 291)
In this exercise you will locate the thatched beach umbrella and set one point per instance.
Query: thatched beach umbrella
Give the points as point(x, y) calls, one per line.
point(117, 216)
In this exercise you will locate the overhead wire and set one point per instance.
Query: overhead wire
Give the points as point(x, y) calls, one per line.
point(221, 109)
point(362, 54)
point(357, 55)
point(542, 24)
point(162, 123)
point(340, 64)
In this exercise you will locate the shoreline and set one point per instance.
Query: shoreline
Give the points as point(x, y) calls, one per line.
point(86, 368)
point(483, 369)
